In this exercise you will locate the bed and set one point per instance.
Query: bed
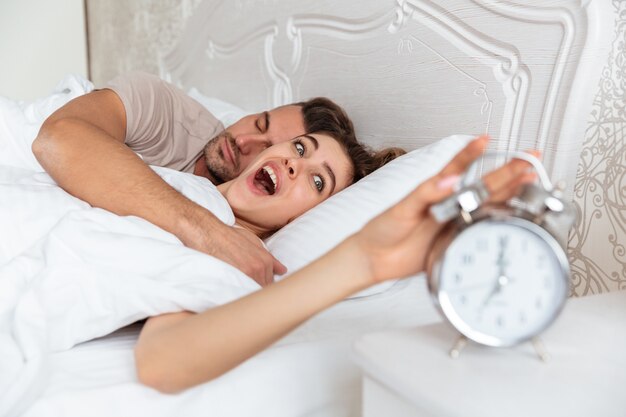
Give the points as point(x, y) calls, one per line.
point(409, 73)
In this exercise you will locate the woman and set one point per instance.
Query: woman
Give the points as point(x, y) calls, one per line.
point(179, 350)
point(291, 177)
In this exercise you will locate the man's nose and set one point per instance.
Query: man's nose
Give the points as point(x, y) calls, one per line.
point(251, 144)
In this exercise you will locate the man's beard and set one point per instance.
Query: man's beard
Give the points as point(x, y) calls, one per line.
point(215, 159)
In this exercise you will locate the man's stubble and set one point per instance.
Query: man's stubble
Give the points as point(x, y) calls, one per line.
point(219, 168)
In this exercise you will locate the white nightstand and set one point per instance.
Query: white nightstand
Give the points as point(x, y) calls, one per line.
point(409, 372)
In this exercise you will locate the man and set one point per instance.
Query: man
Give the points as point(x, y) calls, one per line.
point(88, 146)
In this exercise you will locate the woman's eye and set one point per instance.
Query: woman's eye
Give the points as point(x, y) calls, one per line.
point(319, 182)
point(299, 148)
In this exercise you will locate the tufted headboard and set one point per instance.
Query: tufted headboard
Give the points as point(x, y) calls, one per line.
point(410, 71)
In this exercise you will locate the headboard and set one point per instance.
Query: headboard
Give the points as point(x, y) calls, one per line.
point(410, 71)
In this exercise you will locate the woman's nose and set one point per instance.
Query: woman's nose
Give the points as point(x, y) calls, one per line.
point(291, 164)
point(251, 144)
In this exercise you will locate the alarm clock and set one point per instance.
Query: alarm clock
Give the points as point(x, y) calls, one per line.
point(500, 274)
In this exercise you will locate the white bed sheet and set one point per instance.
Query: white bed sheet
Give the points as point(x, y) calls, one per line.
point(308, 373)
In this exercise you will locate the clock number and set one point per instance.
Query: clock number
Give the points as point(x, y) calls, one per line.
point(479, 317)
point(468, 259)
point(500, 321)
point(541, 260)
point(547, 282)
point(538, 303)
point(524, 246)
point(458, 278)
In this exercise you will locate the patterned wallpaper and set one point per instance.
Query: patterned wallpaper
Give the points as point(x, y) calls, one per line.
point(597, 246)
point(130, 35)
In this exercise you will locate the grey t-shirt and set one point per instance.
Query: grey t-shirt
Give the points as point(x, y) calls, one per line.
point(163, 124)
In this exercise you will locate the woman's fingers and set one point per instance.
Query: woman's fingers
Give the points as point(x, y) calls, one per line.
point(462, 160)
point(441, 185)
point(502, 183)
point(505, 182)
point(512, 189)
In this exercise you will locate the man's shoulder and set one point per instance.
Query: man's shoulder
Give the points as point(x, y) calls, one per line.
point(142, 83)
point(140, 90)
point(163, 124)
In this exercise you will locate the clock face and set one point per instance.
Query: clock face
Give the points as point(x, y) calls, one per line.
point(502, 282)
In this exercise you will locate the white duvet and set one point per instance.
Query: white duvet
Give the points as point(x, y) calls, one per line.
point(70, 272)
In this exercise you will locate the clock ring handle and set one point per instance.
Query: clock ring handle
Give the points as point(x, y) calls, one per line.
point(470, 193)
point(542, 174)
point(464, 201)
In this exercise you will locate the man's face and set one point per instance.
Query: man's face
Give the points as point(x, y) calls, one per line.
point(230, 152)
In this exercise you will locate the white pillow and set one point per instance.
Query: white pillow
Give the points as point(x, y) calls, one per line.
point(225, 112)
point(323, 227)
point(326, 225)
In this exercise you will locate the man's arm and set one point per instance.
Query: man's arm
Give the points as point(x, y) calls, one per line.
point(82, 147)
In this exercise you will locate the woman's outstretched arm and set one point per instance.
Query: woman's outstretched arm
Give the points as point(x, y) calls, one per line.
point(177, 351)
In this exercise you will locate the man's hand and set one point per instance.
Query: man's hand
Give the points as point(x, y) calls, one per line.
point(238, 247)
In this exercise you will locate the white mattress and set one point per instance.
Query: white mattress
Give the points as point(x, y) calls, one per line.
point(308, 373)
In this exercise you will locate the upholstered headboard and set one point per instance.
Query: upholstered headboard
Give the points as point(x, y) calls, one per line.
point(410, 71)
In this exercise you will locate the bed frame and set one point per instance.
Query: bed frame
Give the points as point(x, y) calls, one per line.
point(411, 71)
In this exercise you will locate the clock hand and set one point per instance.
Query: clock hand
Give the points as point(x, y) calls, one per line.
point(501, 262)
point(494, 290)
point(501, 282)
point(502, 279)
point(470, 287)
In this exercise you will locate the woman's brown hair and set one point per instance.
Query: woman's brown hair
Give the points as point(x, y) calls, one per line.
point(364, 159)
point(322, 115)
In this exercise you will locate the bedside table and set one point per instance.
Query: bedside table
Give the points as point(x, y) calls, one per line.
point(409, 372)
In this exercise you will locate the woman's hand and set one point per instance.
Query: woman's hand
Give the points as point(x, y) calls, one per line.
point(396, 243)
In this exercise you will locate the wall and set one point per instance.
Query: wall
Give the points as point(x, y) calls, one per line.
point(597, 246)
point(133, 35)
point(41, 41)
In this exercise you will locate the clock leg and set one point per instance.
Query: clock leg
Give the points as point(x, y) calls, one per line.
point(540, 349)
point(460, 343)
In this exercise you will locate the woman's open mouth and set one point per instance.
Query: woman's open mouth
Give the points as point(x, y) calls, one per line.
point(265, 180)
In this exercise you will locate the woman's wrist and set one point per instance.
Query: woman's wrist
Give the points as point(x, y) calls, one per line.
point(352, 254)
